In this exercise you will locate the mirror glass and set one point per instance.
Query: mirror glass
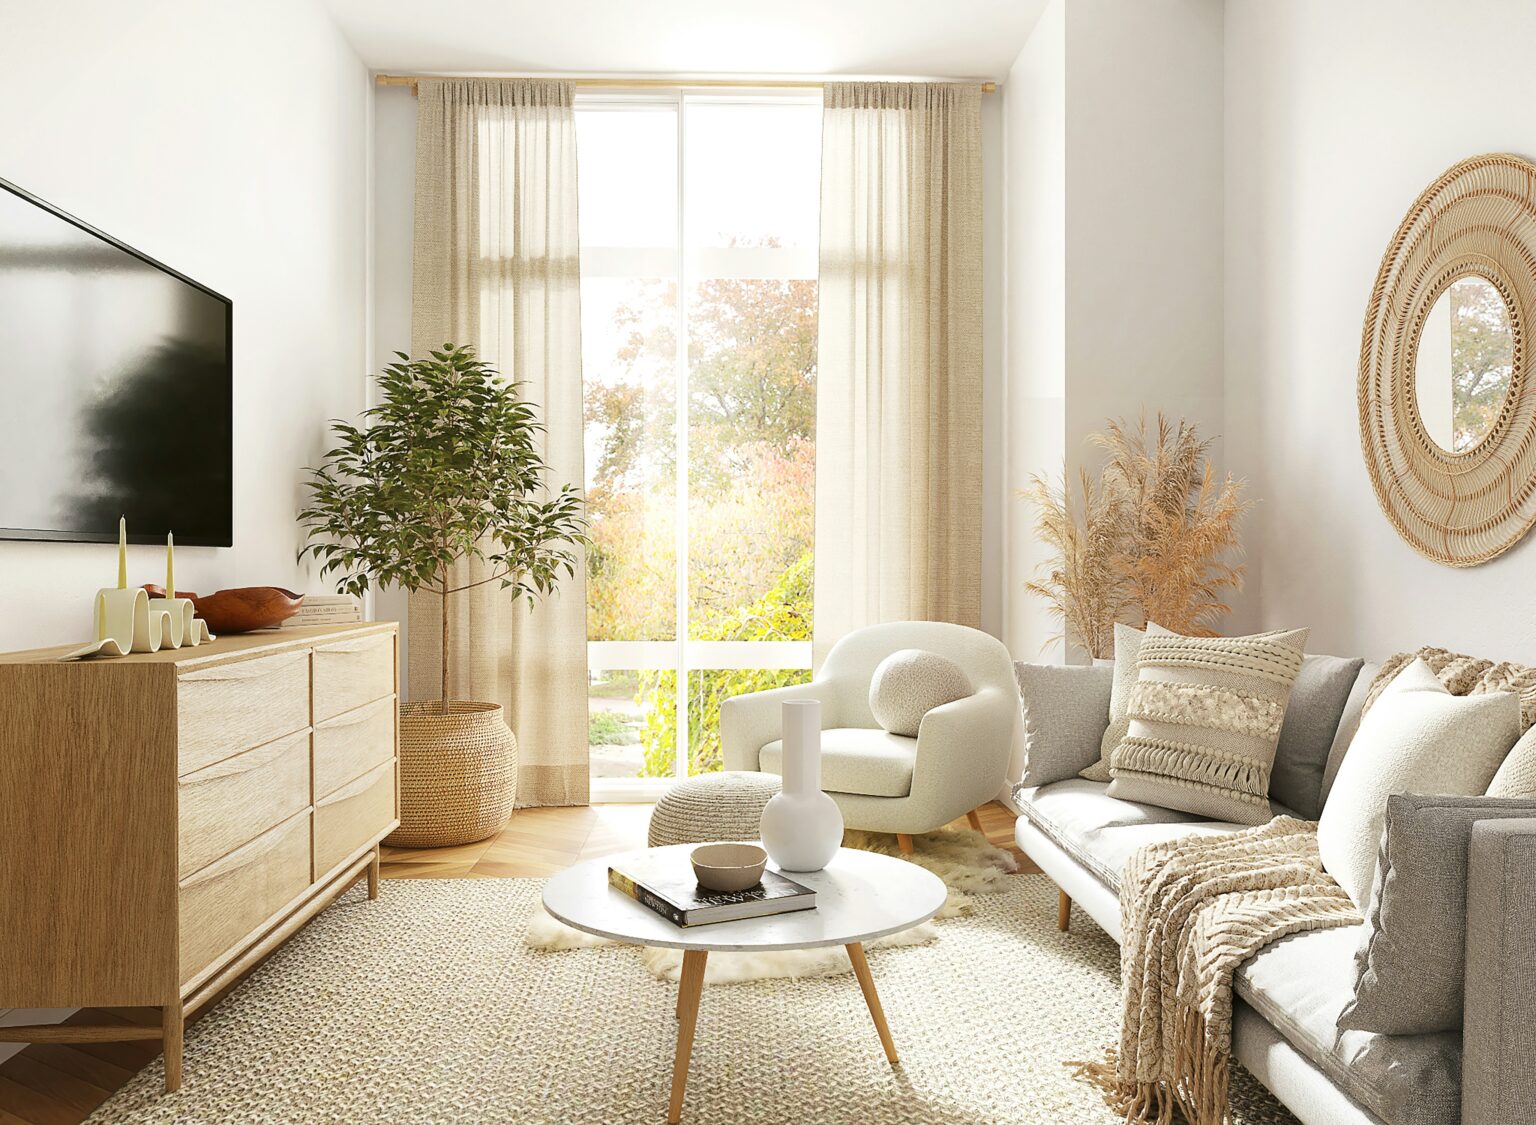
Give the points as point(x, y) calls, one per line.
point(1465, 359)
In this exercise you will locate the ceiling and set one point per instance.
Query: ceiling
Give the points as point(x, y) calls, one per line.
point(696, 38)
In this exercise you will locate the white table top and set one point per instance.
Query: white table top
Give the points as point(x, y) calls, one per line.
point(860, 896)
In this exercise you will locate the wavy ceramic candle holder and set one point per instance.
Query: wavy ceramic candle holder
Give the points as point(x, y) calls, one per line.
point(124, 620)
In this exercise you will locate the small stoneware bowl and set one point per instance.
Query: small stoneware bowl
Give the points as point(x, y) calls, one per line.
point(728, 867)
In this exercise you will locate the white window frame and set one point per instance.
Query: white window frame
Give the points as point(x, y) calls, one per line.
point(686, 266)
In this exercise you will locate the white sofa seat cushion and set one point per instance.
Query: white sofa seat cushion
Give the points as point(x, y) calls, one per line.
point(866, 761)
point(1070, 812)
point(1101, 832)
point(1300, 984)
point(1077, 806)
point(1105, 852)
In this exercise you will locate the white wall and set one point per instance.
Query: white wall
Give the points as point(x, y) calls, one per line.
point(1144, 213)
point(1114, 218)
point(1035, 318)
point(1337, 116)
point(229, 141)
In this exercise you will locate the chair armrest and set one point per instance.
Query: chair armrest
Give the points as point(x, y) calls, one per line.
point(1498, 1083)
point(963, 750)
point(749, 722)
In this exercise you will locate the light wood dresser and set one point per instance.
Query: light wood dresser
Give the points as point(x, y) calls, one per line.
point(169, 819)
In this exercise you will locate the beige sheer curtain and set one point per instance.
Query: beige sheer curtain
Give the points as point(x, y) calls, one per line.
point(496, 267)
point(898, 398)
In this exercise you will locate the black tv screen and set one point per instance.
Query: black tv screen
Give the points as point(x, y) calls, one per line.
point(115, 388)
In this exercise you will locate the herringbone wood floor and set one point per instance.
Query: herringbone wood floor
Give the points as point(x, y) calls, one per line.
point(58, 1084)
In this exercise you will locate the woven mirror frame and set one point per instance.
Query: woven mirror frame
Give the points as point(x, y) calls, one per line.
point(1458, 508)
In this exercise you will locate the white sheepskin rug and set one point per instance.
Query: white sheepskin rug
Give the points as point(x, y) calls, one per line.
point(963, 858)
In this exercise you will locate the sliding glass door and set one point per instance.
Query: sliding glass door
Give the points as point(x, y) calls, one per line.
point(699, 222)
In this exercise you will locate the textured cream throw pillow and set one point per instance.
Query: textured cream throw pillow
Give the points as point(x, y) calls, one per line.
point(1205, 717)
point(911, 682)
point(1416, 738)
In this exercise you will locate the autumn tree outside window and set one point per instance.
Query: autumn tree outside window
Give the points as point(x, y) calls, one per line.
point(699, 225)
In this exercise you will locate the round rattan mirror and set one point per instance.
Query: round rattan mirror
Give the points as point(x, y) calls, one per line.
point(1447, 406)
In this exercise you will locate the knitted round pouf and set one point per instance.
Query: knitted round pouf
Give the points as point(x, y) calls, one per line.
point(712, 806)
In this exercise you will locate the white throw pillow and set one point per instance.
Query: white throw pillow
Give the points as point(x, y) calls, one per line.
point(1517, 776)
point(909, 683)
point(1127, 649)
point(1416, 738)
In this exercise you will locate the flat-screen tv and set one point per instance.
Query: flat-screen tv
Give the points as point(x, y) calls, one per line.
point(115, 388)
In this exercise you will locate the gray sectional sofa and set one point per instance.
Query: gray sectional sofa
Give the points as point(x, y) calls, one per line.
point(1290, 994)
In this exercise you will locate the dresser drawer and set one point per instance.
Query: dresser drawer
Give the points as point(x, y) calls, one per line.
point(353, 743)
point(356, 814)
point(233, 801)
point(233, 707)
point(227, 901)
point(352, 672)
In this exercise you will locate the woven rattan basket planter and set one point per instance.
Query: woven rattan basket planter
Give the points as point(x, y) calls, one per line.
point(458, 774)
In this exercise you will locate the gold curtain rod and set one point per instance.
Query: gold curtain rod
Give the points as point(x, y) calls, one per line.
point(642, 83)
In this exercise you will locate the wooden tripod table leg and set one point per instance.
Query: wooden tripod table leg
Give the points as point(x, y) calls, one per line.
point(871, 997)
point(688, 991)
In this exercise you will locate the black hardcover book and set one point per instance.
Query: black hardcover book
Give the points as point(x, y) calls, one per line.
point(666, 885)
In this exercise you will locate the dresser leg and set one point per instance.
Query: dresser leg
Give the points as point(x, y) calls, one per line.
point(373, 874)
point(172, 1028)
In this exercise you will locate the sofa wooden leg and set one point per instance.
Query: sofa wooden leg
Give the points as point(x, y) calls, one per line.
point(1063, 912)
point(904, 842)
point(975, 820)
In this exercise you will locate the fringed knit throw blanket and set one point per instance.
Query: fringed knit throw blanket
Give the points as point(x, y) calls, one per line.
point(1192, 911)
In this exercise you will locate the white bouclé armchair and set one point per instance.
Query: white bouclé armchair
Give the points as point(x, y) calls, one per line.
point(884, 782)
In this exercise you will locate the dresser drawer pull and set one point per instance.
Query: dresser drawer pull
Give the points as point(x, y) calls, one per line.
point(361, 785)
point(357, 644)
point(357, 716)
point(232, 802)
point(244, 670)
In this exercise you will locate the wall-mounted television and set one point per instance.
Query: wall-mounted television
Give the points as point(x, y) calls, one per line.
point(116, 388)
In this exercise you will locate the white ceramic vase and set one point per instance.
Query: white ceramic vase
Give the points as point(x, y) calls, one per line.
point(802, 827)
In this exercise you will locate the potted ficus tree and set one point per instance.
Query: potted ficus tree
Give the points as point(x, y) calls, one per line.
point(445, 469)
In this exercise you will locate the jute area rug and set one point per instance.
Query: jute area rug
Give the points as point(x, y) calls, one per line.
point(428, 1006)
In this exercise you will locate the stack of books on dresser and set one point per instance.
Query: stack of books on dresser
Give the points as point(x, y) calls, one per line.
point(326, 609)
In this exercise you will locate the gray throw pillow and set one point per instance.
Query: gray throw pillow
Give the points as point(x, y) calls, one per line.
point(1411, 966)
point(1311, 721)
point(1066, 708)
point(1349, 722)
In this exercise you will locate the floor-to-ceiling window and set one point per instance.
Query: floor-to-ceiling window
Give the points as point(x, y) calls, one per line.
point(699, 219)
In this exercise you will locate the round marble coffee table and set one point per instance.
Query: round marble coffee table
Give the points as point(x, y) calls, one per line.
point(860, 896)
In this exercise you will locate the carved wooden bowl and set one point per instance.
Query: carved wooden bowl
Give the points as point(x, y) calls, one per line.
point(241, 610)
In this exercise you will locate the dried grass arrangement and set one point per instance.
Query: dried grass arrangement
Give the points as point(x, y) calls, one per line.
point(1155, 538)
